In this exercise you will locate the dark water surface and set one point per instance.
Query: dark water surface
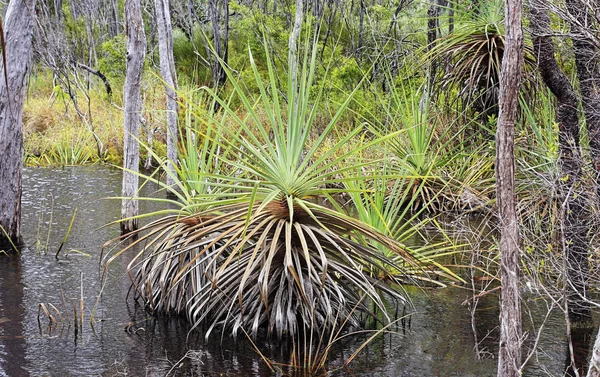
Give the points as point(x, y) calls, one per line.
point(436, 340)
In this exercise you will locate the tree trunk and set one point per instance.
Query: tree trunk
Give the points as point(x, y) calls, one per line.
point(18, 51)
point(432, 34)
point(509, 357)
point(572, 194)
point(451, 6)
point(213, 9)
point(223, 77)
point(588, 73)
point(361, 29)
point(167, 71)
point(58, 13)
point(594, 367)
point(330, 18)
point(136, 51)
point(114, 29)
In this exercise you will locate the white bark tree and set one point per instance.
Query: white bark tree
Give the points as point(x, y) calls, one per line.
point(509, 358)
point(136, 52)
point(594, 368)
point(18, 27)
point(167, 71)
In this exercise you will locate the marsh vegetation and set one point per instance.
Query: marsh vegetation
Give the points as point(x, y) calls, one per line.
point(313, 165)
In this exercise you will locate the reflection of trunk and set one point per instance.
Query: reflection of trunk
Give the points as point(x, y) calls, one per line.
point(509, 355)
point(167, 71)
point(18, 38)
point(13, 360)
point(574, 227)
point(579, 342)
point(136, 51)
point(588, 73)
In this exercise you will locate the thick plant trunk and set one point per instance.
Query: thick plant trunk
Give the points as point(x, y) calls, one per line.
point(136, 51)
point(587, 63)
point(167, 71)
point(509, 357)
point(574, 228)
point(18, 35)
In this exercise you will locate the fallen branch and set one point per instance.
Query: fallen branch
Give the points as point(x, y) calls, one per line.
point(99, 74)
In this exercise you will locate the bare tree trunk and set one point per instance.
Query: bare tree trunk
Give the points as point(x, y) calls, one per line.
point(509, 357)
point(89, 20)
point(594, 367)
point(394, 20)
point(114, 29)
point(213, 9)
point(361, 29)
point(136, 51)
point(167, 71)
point(58, 13)
point(331, 16)
point(18, 51)
point(451, 7)
point(223, 77)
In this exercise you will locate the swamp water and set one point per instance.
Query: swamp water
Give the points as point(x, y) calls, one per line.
point(436, 340)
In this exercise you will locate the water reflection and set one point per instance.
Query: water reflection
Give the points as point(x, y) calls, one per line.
point(578, 349)
point(12, 341)
point(436, 340)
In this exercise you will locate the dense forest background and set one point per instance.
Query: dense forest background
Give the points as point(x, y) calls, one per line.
point(74, 99)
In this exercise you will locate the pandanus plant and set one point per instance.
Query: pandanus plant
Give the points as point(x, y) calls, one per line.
point(472, 56)
point(257, 249)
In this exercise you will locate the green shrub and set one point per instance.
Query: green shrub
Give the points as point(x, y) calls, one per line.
point(113, 57)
